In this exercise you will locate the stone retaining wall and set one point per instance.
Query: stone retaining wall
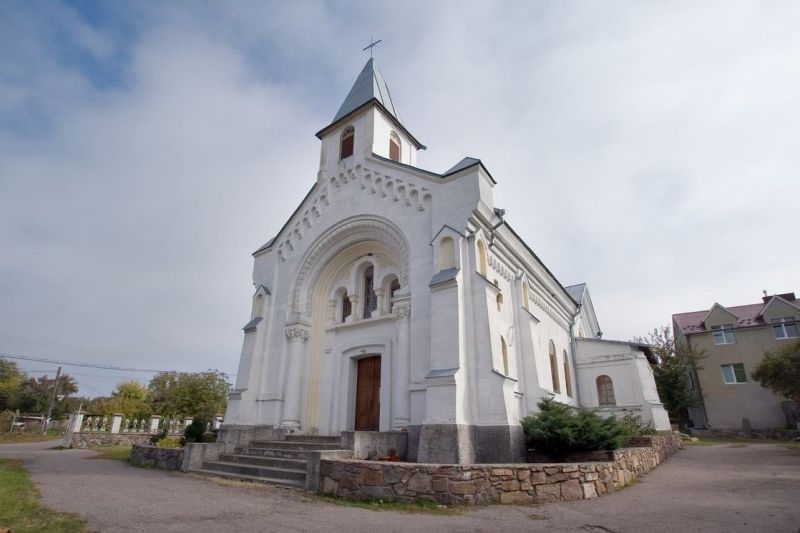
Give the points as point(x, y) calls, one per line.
point(481, 484)
point(164, 458)
point(87, 440)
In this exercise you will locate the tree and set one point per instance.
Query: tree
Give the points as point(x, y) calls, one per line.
point(11, 380)
point(676, 362)
point(780, 371)
point(129, 398)
point(35, 393)
point(189, 394)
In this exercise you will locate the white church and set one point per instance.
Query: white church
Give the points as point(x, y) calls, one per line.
point(399, 299)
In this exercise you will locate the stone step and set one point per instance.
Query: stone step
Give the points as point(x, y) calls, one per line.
point(272, 452)
point(285, 483)
point(326, 439)
point(295, 474)
point(258, 460)
point(298, 445)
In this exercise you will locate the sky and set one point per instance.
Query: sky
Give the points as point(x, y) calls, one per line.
point(649, 149)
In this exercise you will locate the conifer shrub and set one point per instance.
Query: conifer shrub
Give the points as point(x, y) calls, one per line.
point(634, 426)
point(195, 432)
point(559, 430)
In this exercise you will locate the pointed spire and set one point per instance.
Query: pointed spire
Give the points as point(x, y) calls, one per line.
point(369, 84)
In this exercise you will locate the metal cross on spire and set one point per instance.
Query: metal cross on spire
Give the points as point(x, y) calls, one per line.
point(370, 46)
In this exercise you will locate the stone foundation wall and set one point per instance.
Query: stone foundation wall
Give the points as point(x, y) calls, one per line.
point(87, 440)
point(492, 483)
point(164, 458)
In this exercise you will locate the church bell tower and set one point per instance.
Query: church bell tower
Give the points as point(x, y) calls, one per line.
point(367, 124)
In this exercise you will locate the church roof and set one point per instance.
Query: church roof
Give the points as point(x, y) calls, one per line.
point(369, 84)
point(461, 165)
point(576, 292)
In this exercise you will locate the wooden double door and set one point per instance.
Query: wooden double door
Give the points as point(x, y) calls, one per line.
point(368, 394)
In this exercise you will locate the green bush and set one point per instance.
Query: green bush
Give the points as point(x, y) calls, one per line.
point(196, 431)
point(633, 426)
point(170, 442)
point(558, 430)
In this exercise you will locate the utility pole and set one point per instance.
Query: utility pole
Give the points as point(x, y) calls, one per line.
point(52, 401)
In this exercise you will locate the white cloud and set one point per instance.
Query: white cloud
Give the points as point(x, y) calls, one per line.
point(645, 148)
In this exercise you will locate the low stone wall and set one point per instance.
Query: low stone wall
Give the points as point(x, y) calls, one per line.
point(164, 458)
point(374, 444)
point(87, 440)
point(481, 484)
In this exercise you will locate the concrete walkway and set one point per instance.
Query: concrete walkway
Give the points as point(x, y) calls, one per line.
point(721, 488)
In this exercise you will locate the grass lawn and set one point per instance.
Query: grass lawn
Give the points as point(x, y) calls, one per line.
point(13, 438)
point(421, 506)
point(20, 510)
point(119, 452)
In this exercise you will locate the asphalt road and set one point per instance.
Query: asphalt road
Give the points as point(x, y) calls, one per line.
point(721, 488)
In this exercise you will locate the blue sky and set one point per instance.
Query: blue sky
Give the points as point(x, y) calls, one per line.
point(147, 148)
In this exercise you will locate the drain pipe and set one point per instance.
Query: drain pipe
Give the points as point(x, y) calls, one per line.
point(500, 213)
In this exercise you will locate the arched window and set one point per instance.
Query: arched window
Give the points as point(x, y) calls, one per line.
point(370, 299)
point(567, 375)
point(499, 301)
point(504, 348)
point(525, 294)
point(347, 142)
point(446, 256)
point(605, 390)
point(394, 147)
point(393, 288)
point(258, 306)
point(481, 259)
point(554, 368)
point(347, 307)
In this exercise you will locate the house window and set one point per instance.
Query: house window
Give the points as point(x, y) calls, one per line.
point(734, 373)
point(346, 144)
point(481, 259)
point(605, 391)
point(567, 375)
point(370, 298)
point(504, 348)
point(499, 302)
point(347, 307)
point(723, 334)
point(784, 328)
point(394, 147)
point(554, 368)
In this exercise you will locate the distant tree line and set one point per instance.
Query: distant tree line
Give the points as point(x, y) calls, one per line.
point(169, 394)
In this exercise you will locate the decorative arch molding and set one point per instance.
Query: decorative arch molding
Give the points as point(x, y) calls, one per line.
point(355, 230)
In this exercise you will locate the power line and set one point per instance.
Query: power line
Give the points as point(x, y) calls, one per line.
point(68, 363)
point(87, 365)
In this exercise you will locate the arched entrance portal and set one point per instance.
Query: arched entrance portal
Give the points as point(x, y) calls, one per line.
point(348, 287)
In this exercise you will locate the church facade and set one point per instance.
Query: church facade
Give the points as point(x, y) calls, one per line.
point(398, 299)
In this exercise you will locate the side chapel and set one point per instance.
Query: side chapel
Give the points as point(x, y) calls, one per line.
point(399, 299)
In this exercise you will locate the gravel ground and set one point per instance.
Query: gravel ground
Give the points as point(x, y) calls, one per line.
point(722, 488)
